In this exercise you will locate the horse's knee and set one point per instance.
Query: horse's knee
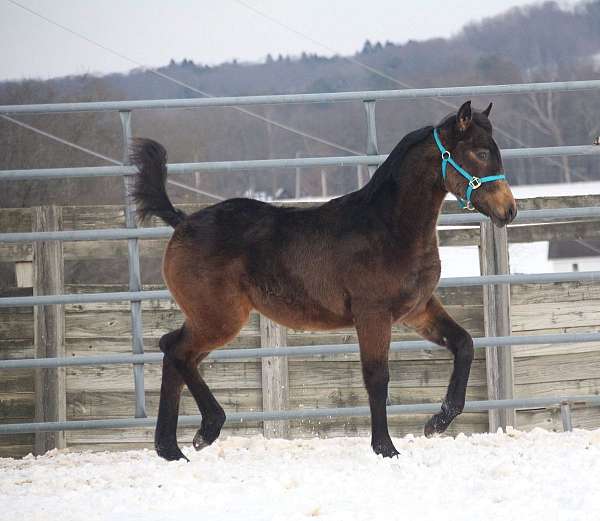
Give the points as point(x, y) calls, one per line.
point(376, 376)
point(376, 373)
point(462, 347)
point(169, 340)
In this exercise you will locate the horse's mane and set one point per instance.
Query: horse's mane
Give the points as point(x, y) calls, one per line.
point(386, 171)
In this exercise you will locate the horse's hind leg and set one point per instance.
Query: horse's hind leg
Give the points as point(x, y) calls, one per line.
point(165, 435)
point(435, 324)
point(183, 351)
point(213, 415)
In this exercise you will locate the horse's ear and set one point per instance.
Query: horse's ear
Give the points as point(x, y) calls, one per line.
point(463, 117)
point(487, 111)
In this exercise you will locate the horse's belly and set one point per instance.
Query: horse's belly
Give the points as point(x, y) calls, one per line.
point(301, 310)
point(300, 319)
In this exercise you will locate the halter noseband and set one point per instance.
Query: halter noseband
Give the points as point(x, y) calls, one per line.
point(474, 182)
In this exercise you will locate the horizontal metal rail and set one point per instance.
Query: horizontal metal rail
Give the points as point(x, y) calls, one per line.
point(230, 101)
point(448, 282)
point(84, 298)
point(161, 232)
point(299, 414)
point(524, 216)
point(296, 351)
point(263, 164)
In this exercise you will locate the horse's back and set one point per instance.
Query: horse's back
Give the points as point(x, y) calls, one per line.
point(279, 258)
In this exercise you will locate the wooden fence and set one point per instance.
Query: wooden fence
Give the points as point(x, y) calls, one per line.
point(277, 383)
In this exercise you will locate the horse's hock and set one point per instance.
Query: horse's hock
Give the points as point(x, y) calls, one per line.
point(96, 392)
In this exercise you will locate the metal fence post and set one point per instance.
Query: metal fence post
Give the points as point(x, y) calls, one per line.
point(372, 149)
point(493, 255)
point(135, 283)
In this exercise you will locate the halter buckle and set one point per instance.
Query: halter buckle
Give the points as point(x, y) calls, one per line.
point(469, 206)
point(445, 155)
point(475, 183)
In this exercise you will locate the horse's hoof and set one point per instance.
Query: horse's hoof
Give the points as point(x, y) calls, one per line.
point(435, 425)
point(171, 453)
point(387, 450)
point(199, 442)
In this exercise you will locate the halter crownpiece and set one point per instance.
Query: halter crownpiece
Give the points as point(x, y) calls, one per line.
point(474, 182)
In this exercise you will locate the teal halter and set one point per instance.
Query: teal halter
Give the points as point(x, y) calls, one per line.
point(474, 182)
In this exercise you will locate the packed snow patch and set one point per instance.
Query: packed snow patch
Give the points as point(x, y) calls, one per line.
point(485, 477)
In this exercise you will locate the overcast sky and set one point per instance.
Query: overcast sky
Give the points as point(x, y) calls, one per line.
point(152, 32)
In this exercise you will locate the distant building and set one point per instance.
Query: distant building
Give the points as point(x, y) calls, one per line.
point(577, 255)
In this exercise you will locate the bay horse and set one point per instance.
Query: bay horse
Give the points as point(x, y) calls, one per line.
point(367, 259)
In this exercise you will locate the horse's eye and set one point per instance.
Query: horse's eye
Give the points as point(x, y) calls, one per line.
point(483, 155)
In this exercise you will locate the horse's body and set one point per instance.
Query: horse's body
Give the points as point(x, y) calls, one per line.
point(366, 259)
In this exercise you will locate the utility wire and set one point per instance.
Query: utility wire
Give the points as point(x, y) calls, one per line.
point(181, 83)
point(100, 156)
point(60, 140)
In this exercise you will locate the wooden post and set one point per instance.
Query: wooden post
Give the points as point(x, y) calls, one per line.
point(493, 255)
point(49, 333)
point(274, 378)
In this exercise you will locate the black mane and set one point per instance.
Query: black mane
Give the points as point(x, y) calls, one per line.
point(385, 172)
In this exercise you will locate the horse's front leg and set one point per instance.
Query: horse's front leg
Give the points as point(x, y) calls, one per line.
point(435, 324)
point(374, 334)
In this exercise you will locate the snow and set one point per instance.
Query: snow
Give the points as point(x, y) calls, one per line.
point(463, 261)
point(521, 476)
point(556, 189)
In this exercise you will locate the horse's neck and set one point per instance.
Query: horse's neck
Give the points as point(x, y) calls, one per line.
point(410, 204)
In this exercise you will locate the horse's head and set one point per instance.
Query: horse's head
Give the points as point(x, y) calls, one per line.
point(467, 138)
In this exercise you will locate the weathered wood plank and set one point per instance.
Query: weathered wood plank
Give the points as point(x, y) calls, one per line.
point(557, 368)
point(589, 386)
point(18, 326)
point(554, 231)
point(556, 349)
point(274, 377)
point(549, 419)
point(117, 378)
point(493, 255)
point(311, 397)
point(114, 324)
point(327, 375)
point(49, 330)
point(17, 407)
point(529, 317)
point(94, 403)
point(554, 293)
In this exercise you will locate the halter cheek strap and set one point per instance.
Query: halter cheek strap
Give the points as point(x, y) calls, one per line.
point(474, 182)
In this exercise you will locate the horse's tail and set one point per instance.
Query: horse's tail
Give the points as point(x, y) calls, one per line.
point(149, 191)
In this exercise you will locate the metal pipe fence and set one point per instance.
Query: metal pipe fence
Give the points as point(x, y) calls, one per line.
point(162, 232)
point(296, 351)
point(262, 164)
point(286, 99)
point(448, 282)
point(299, 414)
point(371, 159)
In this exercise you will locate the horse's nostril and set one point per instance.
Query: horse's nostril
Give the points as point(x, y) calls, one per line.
point(512, 212)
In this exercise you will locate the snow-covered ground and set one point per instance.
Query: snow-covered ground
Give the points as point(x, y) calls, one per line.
point(537, 476)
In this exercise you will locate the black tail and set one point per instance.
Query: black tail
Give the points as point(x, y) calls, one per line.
point(149, 191)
